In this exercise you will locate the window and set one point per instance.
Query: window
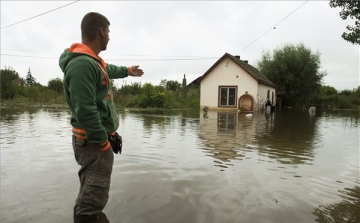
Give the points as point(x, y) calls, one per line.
point(268, 94)
point(227, 96)
point(227, 122)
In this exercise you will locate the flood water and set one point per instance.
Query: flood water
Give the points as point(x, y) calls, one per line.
point(190, 167)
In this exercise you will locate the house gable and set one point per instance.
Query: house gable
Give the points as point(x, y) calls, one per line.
point(195, 82)
point(252, 71)
point(228, 75)
point(230, 78)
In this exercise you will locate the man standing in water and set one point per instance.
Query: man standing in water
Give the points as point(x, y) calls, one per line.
point(94, 118)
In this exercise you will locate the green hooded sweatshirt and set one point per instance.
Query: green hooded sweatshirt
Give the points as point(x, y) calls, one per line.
point(89, 94)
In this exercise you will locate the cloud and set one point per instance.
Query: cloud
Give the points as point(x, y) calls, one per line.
point(163, 30)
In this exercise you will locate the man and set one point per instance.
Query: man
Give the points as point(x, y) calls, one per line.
point(93, 115)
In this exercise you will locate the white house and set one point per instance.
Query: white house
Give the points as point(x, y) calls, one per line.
point(233, 84)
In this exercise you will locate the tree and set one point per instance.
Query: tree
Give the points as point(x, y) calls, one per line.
point(295, 71)
point(327, 97)
point(170, 85)
point(9, 83)
point(30, 80)
point(350, 8)
point(56, 85)
point(328, 90)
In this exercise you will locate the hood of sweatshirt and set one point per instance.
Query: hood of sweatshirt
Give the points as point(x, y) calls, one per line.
point(77, 49)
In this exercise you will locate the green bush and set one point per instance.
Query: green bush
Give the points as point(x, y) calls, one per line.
point(165, 95)
point(168, 94)
point(329, 97)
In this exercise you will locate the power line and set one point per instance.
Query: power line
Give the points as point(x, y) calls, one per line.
point(130, 55)
point(343, 81)
point(33, 51)
point(39, 15)
point(174, 59)
point(6, 4)
point(273, 27)
point(13, 55)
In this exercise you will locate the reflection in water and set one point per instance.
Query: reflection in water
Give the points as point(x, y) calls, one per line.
point(156, 121)
point(102, 218)
point(219, 132)
point(10, 115)
point(169, 168)
point(227, 122)
point(287, 137)
point(13, 114)
point(163, 119)
point(290, 138)
point(348, 210)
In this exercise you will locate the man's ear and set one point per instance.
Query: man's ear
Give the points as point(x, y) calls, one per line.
point(102, 32)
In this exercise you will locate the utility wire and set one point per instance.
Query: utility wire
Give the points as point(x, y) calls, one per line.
point(274, 27)
point(129, 55)
point(6, 4)
point(12, 55)
point(39, 15)
point(150, 55)
point(173, 59)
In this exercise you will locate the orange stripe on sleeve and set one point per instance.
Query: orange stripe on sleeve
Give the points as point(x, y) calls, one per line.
point(104, 146)
point(80, 136)
point(79, 133)
point(78, 130)
point(130, 70)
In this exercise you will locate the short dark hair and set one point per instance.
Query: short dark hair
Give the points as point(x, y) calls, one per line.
point(91, 23)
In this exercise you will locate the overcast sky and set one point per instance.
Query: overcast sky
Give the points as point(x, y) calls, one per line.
point(153, 34)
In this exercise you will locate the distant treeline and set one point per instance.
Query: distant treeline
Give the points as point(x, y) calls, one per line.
point(329, 97)
point(168, 94)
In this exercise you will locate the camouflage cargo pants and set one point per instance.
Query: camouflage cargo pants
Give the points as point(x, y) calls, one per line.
point(94, 175)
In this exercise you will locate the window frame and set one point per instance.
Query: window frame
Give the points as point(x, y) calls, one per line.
point(236, 96)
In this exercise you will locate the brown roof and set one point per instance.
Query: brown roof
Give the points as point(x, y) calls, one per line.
point(255, 73)
point(195, 82)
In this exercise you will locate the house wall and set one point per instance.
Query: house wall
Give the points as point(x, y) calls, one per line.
point(262, 96)
point(226, 73)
